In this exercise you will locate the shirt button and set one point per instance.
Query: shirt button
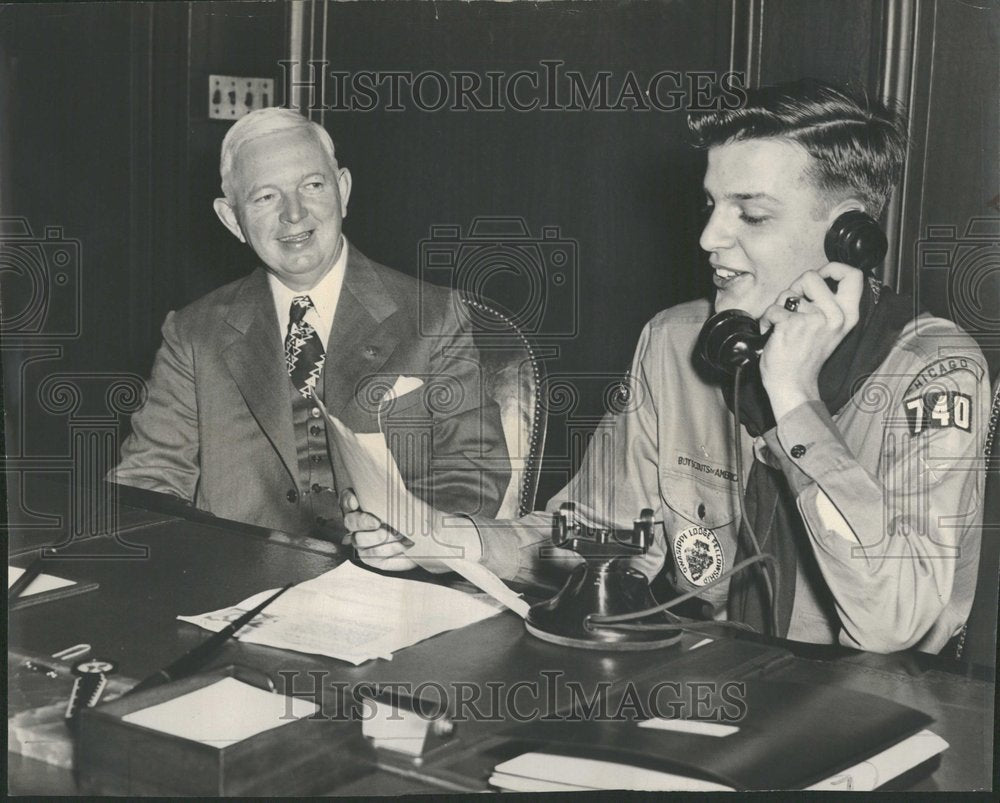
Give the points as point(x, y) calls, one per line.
point(314, 430)
point(292, 495)
point(316, 458)
point(315, 413)
point(798, 450)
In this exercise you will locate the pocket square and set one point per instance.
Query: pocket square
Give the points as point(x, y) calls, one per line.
point(403, 385)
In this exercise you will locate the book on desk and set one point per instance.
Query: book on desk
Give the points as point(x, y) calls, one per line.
point(784, 736)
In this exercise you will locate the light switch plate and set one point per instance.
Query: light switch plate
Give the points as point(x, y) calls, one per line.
point(232, 96)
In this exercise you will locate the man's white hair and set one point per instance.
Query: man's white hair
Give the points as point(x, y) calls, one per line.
point(258, 124)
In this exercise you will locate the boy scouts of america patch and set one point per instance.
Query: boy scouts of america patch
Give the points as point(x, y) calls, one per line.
point(698, 555)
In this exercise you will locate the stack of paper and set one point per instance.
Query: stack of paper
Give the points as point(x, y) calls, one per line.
point(352, 614)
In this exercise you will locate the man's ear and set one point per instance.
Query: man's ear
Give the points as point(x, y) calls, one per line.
point(847, 205)
point(344, 189)
point(227, 215)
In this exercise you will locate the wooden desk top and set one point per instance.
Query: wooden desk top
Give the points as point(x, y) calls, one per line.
point(190, 564)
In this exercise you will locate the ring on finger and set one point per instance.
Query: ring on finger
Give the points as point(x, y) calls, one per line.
point(792, 303)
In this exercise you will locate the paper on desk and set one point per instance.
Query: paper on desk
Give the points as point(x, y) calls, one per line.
point(548, 772)
point(373, 474)
point(222, 713)
point(883, 767)
point(41, 584)
point(352, 614)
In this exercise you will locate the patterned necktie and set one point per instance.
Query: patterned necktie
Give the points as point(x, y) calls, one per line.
point(304, 353)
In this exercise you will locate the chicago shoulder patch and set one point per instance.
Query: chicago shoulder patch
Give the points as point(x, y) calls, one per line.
point(698, 555)
point(941, 368)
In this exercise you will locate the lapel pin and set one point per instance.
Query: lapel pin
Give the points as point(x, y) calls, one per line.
point(371, 352)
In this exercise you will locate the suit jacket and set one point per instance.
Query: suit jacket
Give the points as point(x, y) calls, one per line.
point(216, 428)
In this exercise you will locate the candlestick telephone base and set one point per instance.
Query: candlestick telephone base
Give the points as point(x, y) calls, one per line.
point(603, 585)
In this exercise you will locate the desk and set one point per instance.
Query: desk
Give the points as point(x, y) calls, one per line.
point(195, 564)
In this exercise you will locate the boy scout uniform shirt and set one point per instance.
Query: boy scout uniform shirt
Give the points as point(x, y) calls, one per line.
point(890, 489)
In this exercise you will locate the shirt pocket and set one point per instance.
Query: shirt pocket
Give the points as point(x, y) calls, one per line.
point(701, 516)
point(700, 499)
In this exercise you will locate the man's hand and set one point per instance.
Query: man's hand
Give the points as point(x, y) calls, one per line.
point(376, 545)
point(803, 340)
point(381, 547)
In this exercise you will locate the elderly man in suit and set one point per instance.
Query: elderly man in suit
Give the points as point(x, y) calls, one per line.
point(231, 423)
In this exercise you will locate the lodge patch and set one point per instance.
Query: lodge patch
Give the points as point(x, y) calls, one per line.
point(698, 555)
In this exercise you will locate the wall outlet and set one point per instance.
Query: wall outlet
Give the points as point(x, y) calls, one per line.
point(232, 96)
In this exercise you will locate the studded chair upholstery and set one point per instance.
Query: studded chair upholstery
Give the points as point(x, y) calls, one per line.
point(976, 643)
point(514, 378)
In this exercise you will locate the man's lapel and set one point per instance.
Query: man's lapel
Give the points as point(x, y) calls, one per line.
point(359, 344)
point(256, 360)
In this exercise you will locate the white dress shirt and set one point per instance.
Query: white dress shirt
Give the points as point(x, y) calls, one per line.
point(324, 294)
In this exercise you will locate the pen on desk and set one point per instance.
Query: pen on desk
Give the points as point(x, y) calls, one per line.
point(202, 653)
point(21, 583)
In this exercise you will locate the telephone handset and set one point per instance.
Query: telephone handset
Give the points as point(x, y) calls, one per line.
point(732, 338)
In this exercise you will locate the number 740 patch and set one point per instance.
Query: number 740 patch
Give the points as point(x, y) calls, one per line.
point(939, 409)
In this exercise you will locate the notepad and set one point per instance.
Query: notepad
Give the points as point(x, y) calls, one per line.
point(223, 713)
point(41, 584)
